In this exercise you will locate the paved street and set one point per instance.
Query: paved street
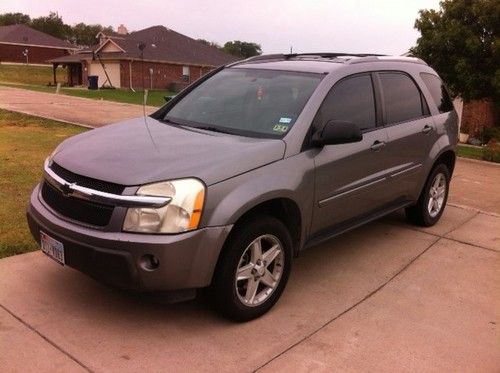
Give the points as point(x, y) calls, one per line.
point(78, 110)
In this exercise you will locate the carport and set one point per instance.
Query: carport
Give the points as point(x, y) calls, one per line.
point(75, 65)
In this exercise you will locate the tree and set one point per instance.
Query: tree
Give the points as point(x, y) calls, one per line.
point(242, 48)
point(85, 35)
point(52, 25)
point(209, 43)
point(461, 41)
point(14, 19)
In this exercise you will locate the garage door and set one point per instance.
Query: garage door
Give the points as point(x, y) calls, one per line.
point(113, 70)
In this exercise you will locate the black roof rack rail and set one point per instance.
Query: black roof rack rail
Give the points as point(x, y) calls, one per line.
point(281, 56)
point(333, 55)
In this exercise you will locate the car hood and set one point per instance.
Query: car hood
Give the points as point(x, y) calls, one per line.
point(144, 150)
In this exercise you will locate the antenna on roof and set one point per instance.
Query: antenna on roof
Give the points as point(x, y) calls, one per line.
point(141, 47)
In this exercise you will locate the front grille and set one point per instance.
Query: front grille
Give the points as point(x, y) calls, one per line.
point(87, 182)
point(75, 208)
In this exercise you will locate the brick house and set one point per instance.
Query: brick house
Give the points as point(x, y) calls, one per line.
point(153, 58)
point(22, 44)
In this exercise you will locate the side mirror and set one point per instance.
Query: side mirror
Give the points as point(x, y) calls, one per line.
point(168, 98)
point(338, 132)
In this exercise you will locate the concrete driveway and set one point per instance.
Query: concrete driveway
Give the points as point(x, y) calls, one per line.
point(385, 296)
point(77, 110)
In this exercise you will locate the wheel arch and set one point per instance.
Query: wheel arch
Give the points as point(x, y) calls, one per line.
point(284, 209)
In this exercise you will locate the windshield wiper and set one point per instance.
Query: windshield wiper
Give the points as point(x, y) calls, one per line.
point(168, 120)
point(206, 128)
point(210, 128)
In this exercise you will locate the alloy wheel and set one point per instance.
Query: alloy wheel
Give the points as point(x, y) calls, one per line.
point(437, 194)
point(259, 270)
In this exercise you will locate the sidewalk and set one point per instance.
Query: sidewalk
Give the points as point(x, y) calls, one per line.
point(76, 110)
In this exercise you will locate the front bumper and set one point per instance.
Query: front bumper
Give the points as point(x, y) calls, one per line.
point(187, 260)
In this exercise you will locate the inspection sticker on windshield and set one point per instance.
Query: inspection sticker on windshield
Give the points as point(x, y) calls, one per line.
point(285, 120)
point(280, 128)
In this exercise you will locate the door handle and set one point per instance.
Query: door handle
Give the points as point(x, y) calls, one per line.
point(377, 145)
point(427, 129)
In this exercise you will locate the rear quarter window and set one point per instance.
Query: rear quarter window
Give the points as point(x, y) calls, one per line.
point(438, 92)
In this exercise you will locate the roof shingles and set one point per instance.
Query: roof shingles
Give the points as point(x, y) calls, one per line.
point(165, 45)
point(24, 35)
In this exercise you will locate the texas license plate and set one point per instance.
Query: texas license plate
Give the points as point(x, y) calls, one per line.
point(52, 248)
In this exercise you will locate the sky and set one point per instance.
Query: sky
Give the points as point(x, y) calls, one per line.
point(355, 26)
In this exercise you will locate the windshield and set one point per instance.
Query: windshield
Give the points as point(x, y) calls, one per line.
point(259, 103)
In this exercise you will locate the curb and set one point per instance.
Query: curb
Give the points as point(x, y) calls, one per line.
point(479, 161)
point(49, 118)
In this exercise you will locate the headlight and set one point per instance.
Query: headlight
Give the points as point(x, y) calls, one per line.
point(182, 214)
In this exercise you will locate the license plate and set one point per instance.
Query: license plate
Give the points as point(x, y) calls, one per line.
point(52, 248)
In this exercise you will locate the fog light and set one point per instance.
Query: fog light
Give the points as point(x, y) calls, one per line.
point(149, 262)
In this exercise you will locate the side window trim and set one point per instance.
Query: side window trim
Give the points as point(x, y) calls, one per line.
point(423, 102)
point(379, 100)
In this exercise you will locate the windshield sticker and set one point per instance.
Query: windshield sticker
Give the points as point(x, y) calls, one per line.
point(280, 128)
point(259, 93)
point(285, 120)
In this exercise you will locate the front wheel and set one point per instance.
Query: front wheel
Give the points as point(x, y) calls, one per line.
point(430, 205)
point(253, 270)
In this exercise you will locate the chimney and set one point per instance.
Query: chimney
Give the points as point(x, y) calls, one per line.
point(122, 30)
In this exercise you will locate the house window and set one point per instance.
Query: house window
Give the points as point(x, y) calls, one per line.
point(185, 73)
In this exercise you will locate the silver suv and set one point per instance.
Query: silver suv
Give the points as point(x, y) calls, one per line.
point(256, 161)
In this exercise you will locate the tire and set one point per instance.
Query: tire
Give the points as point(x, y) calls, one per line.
point(422, 213)
point(252, 296)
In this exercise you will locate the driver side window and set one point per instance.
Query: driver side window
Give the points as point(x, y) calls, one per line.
point(351, 100)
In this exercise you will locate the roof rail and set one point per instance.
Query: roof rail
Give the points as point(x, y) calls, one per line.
point(282, 56)
point(333, 55)
point(388, 59)
point(359, 57)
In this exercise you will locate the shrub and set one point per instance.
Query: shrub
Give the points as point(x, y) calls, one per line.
point(492, 151)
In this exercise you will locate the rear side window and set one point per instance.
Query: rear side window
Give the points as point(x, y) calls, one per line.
point(351, 100)
point(402, 98)
point(438, 92)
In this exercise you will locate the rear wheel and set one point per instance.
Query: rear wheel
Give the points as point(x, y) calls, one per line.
point(431, 203)
point(253, 270)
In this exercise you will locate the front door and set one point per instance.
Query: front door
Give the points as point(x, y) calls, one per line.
point(350, 179)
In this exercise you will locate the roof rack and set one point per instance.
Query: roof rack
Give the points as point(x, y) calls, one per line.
point(282, 56)
point(358, 57)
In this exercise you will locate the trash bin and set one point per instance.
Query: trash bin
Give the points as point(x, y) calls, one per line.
point(93, 81)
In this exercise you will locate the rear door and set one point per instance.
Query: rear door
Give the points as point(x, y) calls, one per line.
point(350, 178)
point(410, 128)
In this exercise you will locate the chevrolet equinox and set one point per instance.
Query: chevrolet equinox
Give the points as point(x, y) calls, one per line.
point(252, 163)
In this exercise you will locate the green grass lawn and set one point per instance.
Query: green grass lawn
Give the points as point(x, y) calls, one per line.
point(36, 78)
point(41, 75)
point(25, 142)
point(470, 152)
